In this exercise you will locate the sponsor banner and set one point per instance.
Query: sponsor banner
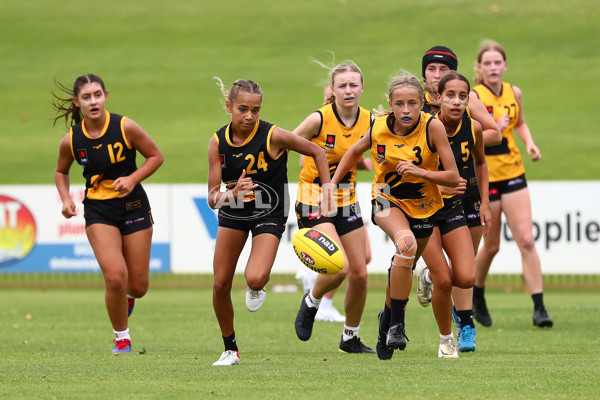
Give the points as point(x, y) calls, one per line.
point(566, 229)
point(77, 257)
point(35, 237)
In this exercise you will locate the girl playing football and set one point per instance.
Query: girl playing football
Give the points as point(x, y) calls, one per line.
point(406, 146)
point(249, 156)
point(118, 222)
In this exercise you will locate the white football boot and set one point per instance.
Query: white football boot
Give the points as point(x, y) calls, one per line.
point(424, 289)
point(255, 299)
point(228, 357)
point(447, 348)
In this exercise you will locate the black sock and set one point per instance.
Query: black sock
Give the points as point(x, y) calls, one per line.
point(386, 317)
point(466, 318)
point(230, 343)
point(538, 301)
point(398, 309)
point(478, 292)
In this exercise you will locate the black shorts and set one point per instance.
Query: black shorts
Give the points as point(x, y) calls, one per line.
point(129, 214)
point(497, 189)
point(471, 206)
point(451, 216)
point(421, 228)
point(270, 224)
point(347, 219)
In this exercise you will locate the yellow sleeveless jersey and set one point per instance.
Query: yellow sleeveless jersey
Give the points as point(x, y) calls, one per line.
point(504, 160)
point(335, 139)
point(417, 197)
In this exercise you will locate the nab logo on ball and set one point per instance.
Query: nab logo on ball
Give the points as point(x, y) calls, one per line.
point(324, 241)
point(318, 251)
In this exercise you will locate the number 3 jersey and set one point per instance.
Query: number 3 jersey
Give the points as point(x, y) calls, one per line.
point(417, 197)
point(267, 170)
point(105, 158)
point(504, 160)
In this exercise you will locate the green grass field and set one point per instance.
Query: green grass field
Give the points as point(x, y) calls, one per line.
point(55, 343)
point(158, 59)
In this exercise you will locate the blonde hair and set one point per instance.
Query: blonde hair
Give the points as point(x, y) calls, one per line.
point(345, 66)
point(405, 79)
point(487, 45)
point(241, 85)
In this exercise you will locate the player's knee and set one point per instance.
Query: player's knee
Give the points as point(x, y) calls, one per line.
point(342, 274)
point(138, 290)
point(527, 244)
point(357, 277)
point(465, 281)
point(221, 287)
point(115, 281)
point(442, 283)
point(257, 281)
point(406, 249)
point(464, 273)
point(491, 248)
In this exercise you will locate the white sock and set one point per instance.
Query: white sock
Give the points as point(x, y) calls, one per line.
point(120, 335)
point(311, 301)
point(427, 278)
point(326, 302)
point(349, 332)
point(446, 337)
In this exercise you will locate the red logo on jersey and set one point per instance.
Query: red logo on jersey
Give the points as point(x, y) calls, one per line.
point(313, 215)
point(222, 160)
point(330, 141)
point(83, 157)
point(381, 151)
point(490, 109)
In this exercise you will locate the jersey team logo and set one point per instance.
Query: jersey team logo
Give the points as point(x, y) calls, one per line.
point(381, 151)
point(222, 160)
point(83, 157)
point(490, 109)
point(330, 141)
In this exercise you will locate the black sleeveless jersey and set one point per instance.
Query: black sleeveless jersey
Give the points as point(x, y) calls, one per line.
point(462, 143)
point(267, 170)
point(105, 158)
